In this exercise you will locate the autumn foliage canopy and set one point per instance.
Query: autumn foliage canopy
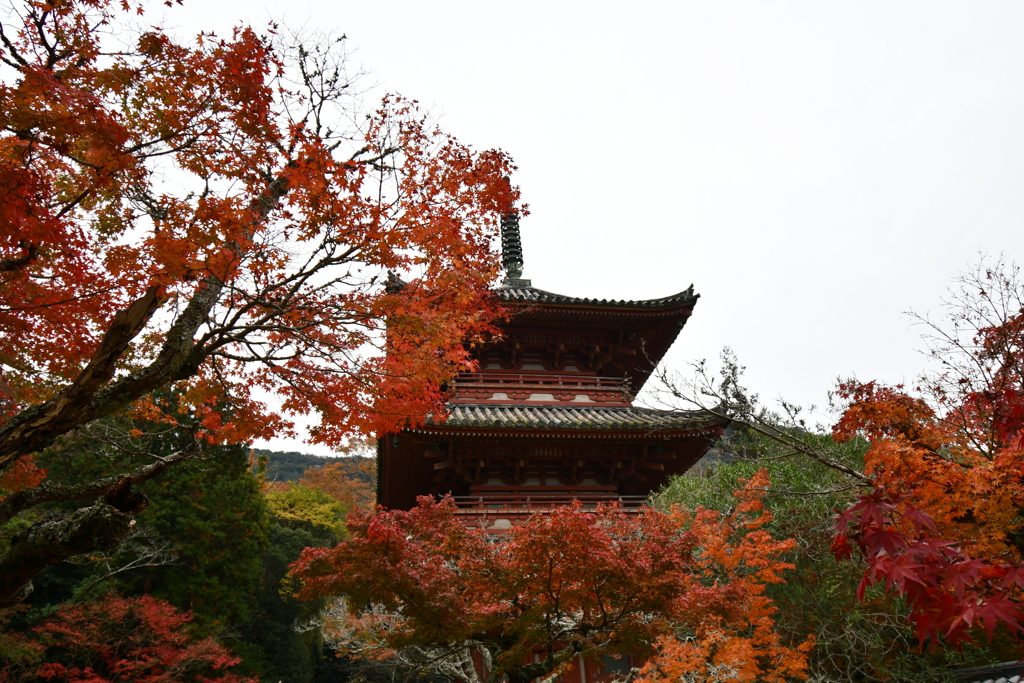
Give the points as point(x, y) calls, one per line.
point(682, 591)
point(944, 526)
point(190, 226)
point(196, 213)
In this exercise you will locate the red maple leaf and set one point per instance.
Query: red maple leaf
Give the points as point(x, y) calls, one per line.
point(962, 575)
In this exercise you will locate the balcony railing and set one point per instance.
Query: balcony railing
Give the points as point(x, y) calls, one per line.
point(524, 504)
point(496, 514)
point(540, 380)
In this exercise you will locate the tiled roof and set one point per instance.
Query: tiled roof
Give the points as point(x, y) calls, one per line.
point(521, 291)
point(576, 417)
point(1006, 672)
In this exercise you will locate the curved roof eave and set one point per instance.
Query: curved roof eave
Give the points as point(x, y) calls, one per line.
point(576, 418)
point(520, 292)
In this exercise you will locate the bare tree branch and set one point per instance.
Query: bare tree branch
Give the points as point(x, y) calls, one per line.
point(726, 398)
point(145, 549)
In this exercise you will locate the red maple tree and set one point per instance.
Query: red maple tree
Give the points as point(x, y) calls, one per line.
point(564, 586)
point(190, 214)
point(944, 525)
point(119, 640)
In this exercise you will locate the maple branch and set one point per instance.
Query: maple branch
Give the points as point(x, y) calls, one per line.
point(80, 297)
point(146, 555)
point(798, 446)
point(87, 398)
point(38, 426)
point(49, 492)
point(69, 207)
point(40, 24)
point(373, 161)
point(735, 404)
point(193, 137)
point(292, 286)
point(20, 61)
point(31, 252)
point(794, 492)
point(101, 526)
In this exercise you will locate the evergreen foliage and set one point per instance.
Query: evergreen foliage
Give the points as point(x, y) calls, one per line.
point(208, 512)
point(212, 513)
point(270, 643)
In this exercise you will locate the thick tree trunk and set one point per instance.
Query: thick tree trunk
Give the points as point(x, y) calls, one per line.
point(98, 527)
point(37, 427)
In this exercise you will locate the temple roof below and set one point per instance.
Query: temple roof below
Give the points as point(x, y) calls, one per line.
point(577, 417)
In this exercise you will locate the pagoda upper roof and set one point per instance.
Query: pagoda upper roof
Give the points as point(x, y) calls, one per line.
point(578, 418)
point(641, 331)
point(523, 291)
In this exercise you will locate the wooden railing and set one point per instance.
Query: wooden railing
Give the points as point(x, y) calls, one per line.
point(541, 380)
point(529, 503)
point(497, 514)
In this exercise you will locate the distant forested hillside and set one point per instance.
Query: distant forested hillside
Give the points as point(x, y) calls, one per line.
point(290, 466)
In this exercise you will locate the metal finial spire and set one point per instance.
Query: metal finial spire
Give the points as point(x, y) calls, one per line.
point(511, 246)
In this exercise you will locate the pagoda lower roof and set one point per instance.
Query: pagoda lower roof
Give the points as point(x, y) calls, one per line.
point(578, 418)
point(521, 291)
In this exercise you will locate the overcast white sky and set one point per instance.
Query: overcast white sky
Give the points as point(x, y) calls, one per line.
point(815, 169)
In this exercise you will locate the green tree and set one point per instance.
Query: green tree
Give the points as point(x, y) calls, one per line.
point(232, 545)
point(270, 642)
point(274, 643)
point(213, 513)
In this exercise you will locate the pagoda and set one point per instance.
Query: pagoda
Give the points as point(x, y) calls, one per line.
point(549, 416)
